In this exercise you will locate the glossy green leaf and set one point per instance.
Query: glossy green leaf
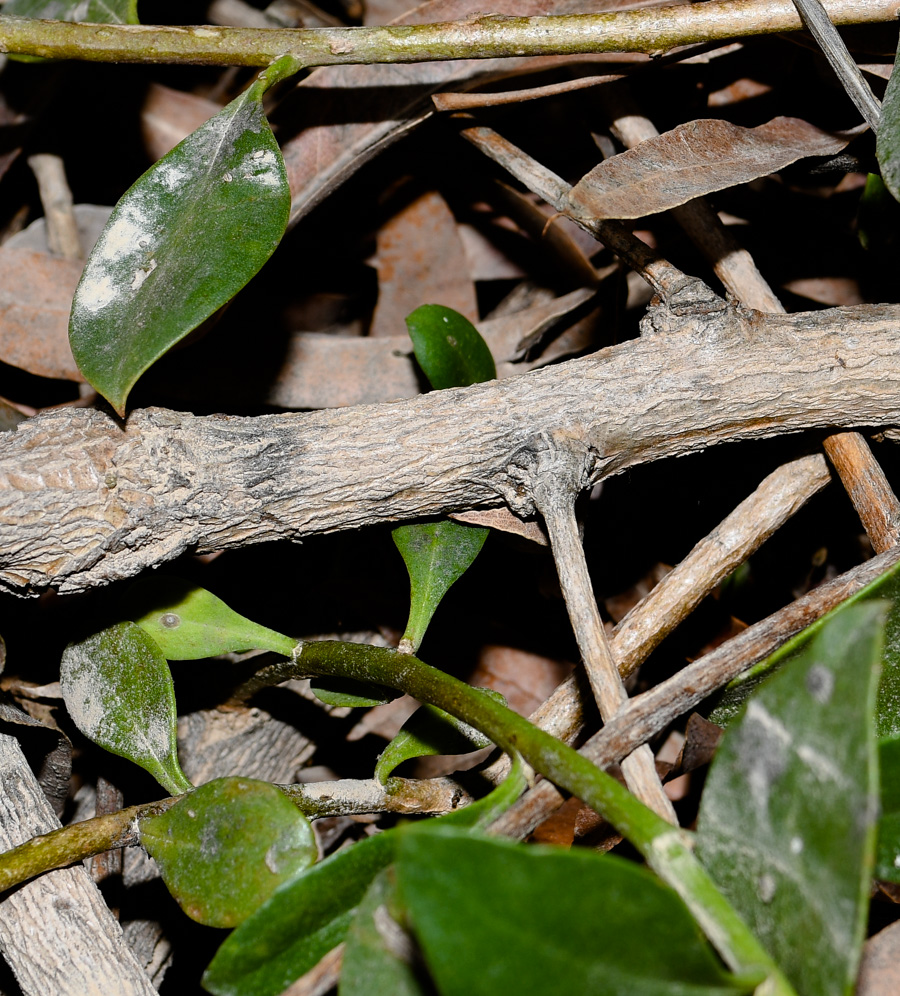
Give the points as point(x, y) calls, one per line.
point(225, 848)
point(887, 146)
point(302, 921)
point(90, 11)
point(887, 858)
point(887, 711)
point(379, 956)
point(118, 689)
point(430, 731)
point(347, 693)
point(436, 554)
point(448, 347)
point(497, 917)
point(308, 917)
point(189, 623)
point(182, 241)
point(788, 814)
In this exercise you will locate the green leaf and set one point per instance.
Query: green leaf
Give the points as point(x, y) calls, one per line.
point(189, 623)
point(89, 11)
point(225, 848)
point(379, 954)
point(436, 554)
point(887, 146)
point(887, 858)
point(429, 731)
point(182, 241)
point(497, 917)
point(887, 712)
point(308, 917)
point(347, 693)
point(118, 690)
point(302, 921)
point(788, 813)
point(449, 348)
point(452, 353)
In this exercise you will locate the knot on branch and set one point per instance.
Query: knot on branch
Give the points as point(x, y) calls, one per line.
point(548, 471)
point(694, 308)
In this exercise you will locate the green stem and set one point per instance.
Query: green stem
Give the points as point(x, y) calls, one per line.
point(653, 30)
point(668, 851)
point(75, 843)
point(78, 841)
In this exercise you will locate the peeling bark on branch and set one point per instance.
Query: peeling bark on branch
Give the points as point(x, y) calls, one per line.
point(85, 501)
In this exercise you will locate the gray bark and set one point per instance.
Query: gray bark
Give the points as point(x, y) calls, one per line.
point(56, 932)
point(85, 500)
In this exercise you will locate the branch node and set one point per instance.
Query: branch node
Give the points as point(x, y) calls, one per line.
point(550, 469)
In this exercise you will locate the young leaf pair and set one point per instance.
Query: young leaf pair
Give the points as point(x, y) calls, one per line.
point(451, 353)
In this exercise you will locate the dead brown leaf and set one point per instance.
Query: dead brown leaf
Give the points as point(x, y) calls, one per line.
point(525, 679)
point(504, 521)
point(694, 159)
point(420, 258)
point(35, 300)
point(170, 115)
point(323, 370)
point(880, 970)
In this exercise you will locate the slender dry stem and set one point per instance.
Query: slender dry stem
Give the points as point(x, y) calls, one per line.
point(826, 34)
point(650, 713)
point(551, 471)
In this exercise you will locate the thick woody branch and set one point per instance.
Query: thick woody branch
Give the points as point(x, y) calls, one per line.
point(85, 500)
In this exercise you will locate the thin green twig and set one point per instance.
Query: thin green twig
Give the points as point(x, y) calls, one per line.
point(667, 850)
point(653, 30)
